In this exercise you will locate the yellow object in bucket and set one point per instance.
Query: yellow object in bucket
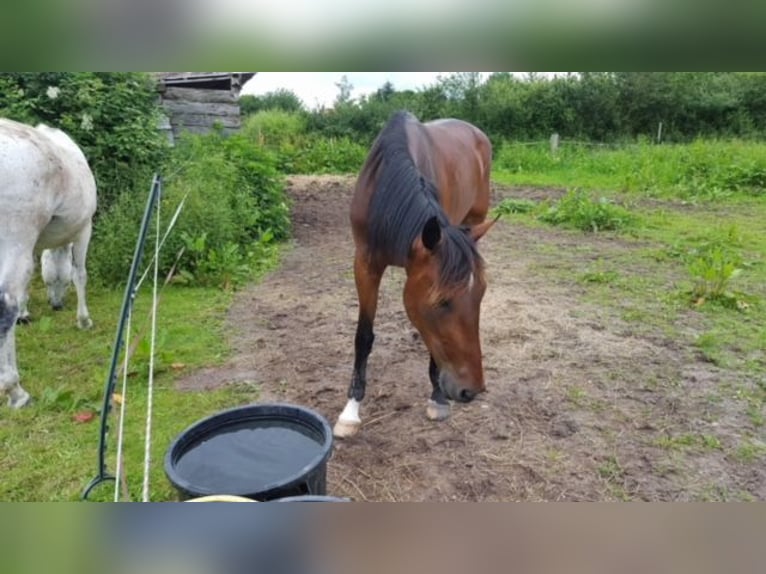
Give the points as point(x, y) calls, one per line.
point(221, 498)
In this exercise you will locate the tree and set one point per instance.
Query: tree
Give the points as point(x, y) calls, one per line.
point(384, 93)
point(344, 91)
point(281, 99)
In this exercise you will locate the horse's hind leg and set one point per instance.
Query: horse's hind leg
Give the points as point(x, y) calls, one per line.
point(438, 407)
point(80, 276)
point(367, 286)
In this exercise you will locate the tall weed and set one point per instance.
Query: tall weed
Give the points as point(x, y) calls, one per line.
point(712, 269)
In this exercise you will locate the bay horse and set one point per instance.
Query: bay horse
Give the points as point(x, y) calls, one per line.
point(47, 202)
point(420, 203)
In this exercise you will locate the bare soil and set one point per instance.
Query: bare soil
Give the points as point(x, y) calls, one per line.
point(581, 405)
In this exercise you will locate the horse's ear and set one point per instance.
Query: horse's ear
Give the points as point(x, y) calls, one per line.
point(478, 231)
point(432, 233)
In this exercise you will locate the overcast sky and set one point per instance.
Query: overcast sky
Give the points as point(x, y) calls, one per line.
point(318, 88)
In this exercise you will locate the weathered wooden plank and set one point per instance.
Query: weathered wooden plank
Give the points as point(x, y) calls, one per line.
point(206, 120)
point(175, 108)
point(196, 95)
point(178, 130)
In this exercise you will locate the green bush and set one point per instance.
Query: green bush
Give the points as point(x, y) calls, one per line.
point(280, 99)
point(713, 168)
point(576, 209)
point(273, 128)
point(113, 116)
point(329, 155)
point(284, 134)
point(114, 238)
point(235, 209)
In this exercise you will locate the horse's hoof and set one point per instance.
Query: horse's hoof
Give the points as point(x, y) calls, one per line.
point(436, 411)
point(18, 399)
point(346, 429)
point(84, 323)
point(25, 320)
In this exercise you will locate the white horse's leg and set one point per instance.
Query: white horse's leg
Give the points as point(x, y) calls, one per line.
point(348, 422)
point(56, 265)
point(23, 317)
point(80, 276)
point(13, 289)
point(9, 373)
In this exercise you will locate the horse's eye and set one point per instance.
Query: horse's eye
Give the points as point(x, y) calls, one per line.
point(444, 304)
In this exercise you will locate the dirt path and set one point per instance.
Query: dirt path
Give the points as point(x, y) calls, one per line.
point(578, 404)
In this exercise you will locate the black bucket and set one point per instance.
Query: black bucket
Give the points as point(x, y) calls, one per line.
point(261, 452)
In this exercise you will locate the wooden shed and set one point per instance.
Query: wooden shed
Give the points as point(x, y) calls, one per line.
point(197, 101)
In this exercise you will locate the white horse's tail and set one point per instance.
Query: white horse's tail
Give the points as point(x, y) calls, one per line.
point(8, 312)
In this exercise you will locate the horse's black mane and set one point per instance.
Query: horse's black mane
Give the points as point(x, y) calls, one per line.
point(404, 200)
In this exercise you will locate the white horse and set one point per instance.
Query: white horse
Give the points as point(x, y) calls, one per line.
point(47, 201)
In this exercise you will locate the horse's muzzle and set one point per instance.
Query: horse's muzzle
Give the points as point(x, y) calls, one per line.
point(454, 390)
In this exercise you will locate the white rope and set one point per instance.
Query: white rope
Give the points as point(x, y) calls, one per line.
point(164, 237)
point(121, 426)
point(150, 389)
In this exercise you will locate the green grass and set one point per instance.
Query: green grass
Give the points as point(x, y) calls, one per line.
point(750, 451)
point(732, 303)
point(46, 454)
point(672, 260)
point(689, 442)
point(690, 267)
point(702, 170)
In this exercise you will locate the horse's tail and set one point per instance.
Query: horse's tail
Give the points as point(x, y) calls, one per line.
point(8, 312)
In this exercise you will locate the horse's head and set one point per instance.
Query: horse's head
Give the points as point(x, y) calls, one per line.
point(56, 268)
point(442, 295)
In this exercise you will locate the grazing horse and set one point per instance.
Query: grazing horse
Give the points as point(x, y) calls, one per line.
point(47, 201)
point(420, 203)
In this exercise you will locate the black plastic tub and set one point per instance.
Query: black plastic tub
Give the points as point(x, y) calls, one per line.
point(262, 452)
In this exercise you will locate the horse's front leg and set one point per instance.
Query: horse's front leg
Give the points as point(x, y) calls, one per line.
point(367, 286)
point(9, 372)
point(23, 316)
point(12, 297)
point(438, 406)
